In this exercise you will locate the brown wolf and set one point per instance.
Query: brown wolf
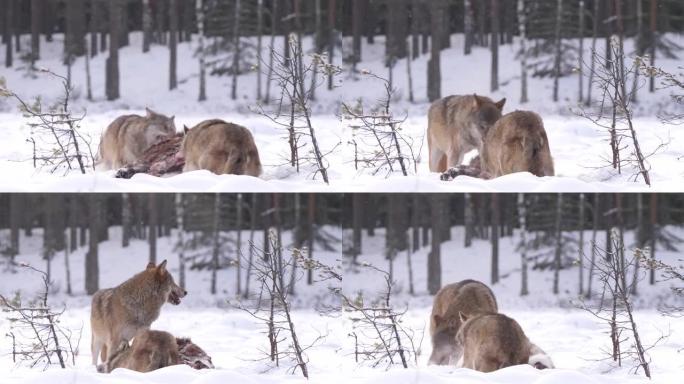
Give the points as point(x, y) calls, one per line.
point(491, 341)
point(457, 125)
point(118, 313)
point(469, 297)
point(127, 137)
point(150, 350)
point(220, 147)
point(517, 143)
point(159, 159)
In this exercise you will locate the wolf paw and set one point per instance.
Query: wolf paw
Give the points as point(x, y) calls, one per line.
point(452, 173)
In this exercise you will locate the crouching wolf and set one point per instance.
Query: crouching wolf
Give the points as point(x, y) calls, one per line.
point(119, 313)
point(469, 297)
point(150, 350)
point(127, 137)
point(491, 341)
point(220, 147)
point(516, 143)
point(457, 125)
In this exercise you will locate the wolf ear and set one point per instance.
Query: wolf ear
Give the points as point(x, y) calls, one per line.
point(172, 117)
point(478, 100)
point(149, 112)
point(462, 317)
point(500, 104)
point(150, 266)
point(162, 267)
point(186, 129)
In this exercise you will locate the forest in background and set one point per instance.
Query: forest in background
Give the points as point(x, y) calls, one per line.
point(211, 231)
point(226, 32)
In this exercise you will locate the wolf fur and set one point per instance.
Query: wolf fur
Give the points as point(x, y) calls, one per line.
point(457, 125)
point(468, 296)
point(221, 148)
point(150, 350)
point(491, 341)
point(119, 313)
point(191, 354)
point(127, 138)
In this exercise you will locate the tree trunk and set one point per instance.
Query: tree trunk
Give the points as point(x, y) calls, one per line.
point(522, 22)
point(16, 202)
point(558, 51)
point(468, 26)
point(640, 48)
point(494, 44)
point(594, 245)
point(112, 65)
point(180, 227)
point(9, 32)
point(74, 219)
point(236, 49)
point(522, 220)
point(124, 40)
point(357, 222)
point(75, 28)
point(559, 242)
point(495, 224)
point(415, 221)
point(654, 233)
point(199, 5)
point(311, 230)
point(146, 25)
point(238, 261)
point(173, 44)
point(357, 28)
point(434, 76)
point(92, 269)
point(581, 243)
point(216, 242)
point(580, 64)
point(332, 32)
point(434, 272)
point(653, 22)
point(594, 38)
point(468, 219)
point(260, 29)
point(153, 221)
point(125, 220)
point(35, 29)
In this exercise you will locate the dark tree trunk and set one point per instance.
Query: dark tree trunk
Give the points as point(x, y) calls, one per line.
point(357, 26)
point(112, 66)
point(357, 223)
point(35, 28)
point(434, 273)
point(495, 224)
point(495, 46)
point(94, 25)
point(92, 269)
point(173, 38)
point(434, 76)
point(153, 211)
point(124, 40)
point(75, 28)
point(9, 31)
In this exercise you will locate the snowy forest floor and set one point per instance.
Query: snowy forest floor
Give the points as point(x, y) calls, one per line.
point(578, 147)
point(573, 338)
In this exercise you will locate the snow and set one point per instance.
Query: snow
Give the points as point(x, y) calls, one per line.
point(577, 146)
point(232, 338)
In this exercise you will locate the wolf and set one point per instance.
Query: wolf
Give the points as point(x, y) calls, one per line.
point(491, 341)
point(127, 137)
point(149, 350)
point(516, 143)
point(469, 297)
point(457, 125)
point(118, 313)
point(220, 147)
point(158, 160)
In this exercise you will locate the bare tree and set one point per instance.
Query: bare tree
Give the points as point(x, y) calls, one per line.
point(36, 333)
point(522, 221)
point(180, 243)
point(112, 65)
point(494, 41)
point(522, 25)
point(380, 336)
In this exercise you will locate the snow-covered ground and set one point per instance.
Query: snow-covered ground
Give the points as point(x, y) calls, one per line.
point(577, 146)
point(572, 337)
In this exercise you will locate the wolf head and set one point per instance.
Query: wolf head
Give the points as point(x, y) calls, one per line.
point(173, 292)
point(443, 349)
point(488, 113)
point(159, 127)
point(243, 162)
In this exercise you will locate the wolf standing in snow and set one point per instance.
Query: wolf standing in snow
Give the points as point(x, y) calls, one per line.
point(118, 313)
point(150, 350)
point(220, 147)
point(468, 297)
point(457, 125)
point(127, 137)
